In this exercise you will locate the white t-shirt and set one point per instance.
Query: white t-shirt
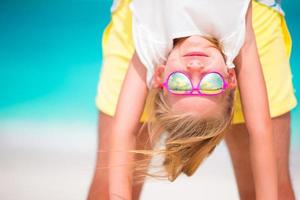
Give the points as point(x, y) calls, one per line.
point(157, 22)
point(274, 4)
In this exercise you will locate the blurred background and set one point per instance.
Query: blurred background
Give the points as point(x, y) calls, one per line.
point(50, 59)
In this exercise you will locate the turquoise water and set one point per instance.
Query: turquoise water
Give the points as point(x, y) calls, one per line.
point(50, 58)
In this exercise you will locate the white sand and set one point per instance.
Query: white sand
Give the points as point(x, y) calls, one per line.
point(55, 162)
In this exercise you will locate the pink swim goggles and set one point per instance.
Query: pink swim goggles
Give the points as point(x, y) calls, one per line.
point(211, 83)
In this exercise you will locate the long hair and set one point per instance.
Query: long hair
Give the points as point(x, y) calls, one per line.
point(189, 138)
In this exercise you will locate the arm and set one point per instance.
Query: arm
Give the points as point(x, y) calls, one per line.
point(129, 109)
point(257, 116)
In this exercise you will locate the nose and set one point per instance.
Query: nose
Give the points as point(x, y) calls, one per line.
point(195, 65)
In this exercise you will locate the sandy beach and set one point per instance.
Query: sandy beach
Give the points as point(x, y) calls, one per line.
point(54, 161)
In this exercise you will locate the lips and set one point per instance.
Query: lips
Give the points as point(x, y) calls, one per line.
point(196, 53)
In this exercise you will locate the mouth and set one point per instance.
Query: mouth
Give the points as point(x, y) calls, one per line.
point(196, 53)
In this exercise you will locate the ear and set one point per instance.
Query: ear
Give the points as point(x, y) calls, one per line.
point(158, 76)
point(232, 82)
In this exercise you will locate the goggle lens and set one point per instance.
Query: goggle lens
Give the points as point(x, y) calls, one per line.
point(179, 83)
point(211, 83)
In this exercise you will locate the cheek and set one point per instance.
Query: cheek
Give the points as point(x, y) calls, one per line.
point(220, 64)
point(173, 65)
point(174, 60)
point(217, 55)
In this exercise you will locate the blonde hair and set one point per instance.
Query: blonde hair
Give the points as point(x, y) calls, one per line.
point(189, 138)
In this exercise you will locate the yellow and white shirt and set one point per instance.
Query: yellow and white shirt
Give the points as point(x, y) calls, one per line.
point(156, 23)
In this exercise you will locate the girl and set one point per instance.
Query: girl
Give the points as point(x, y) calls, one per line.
point(178, 104)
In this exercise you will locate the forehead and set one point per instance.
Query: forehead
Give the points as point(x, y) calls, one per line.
point(207, 106)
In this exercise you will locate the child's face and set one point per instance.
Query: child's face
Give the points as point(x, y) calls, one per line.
point(196, 55)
